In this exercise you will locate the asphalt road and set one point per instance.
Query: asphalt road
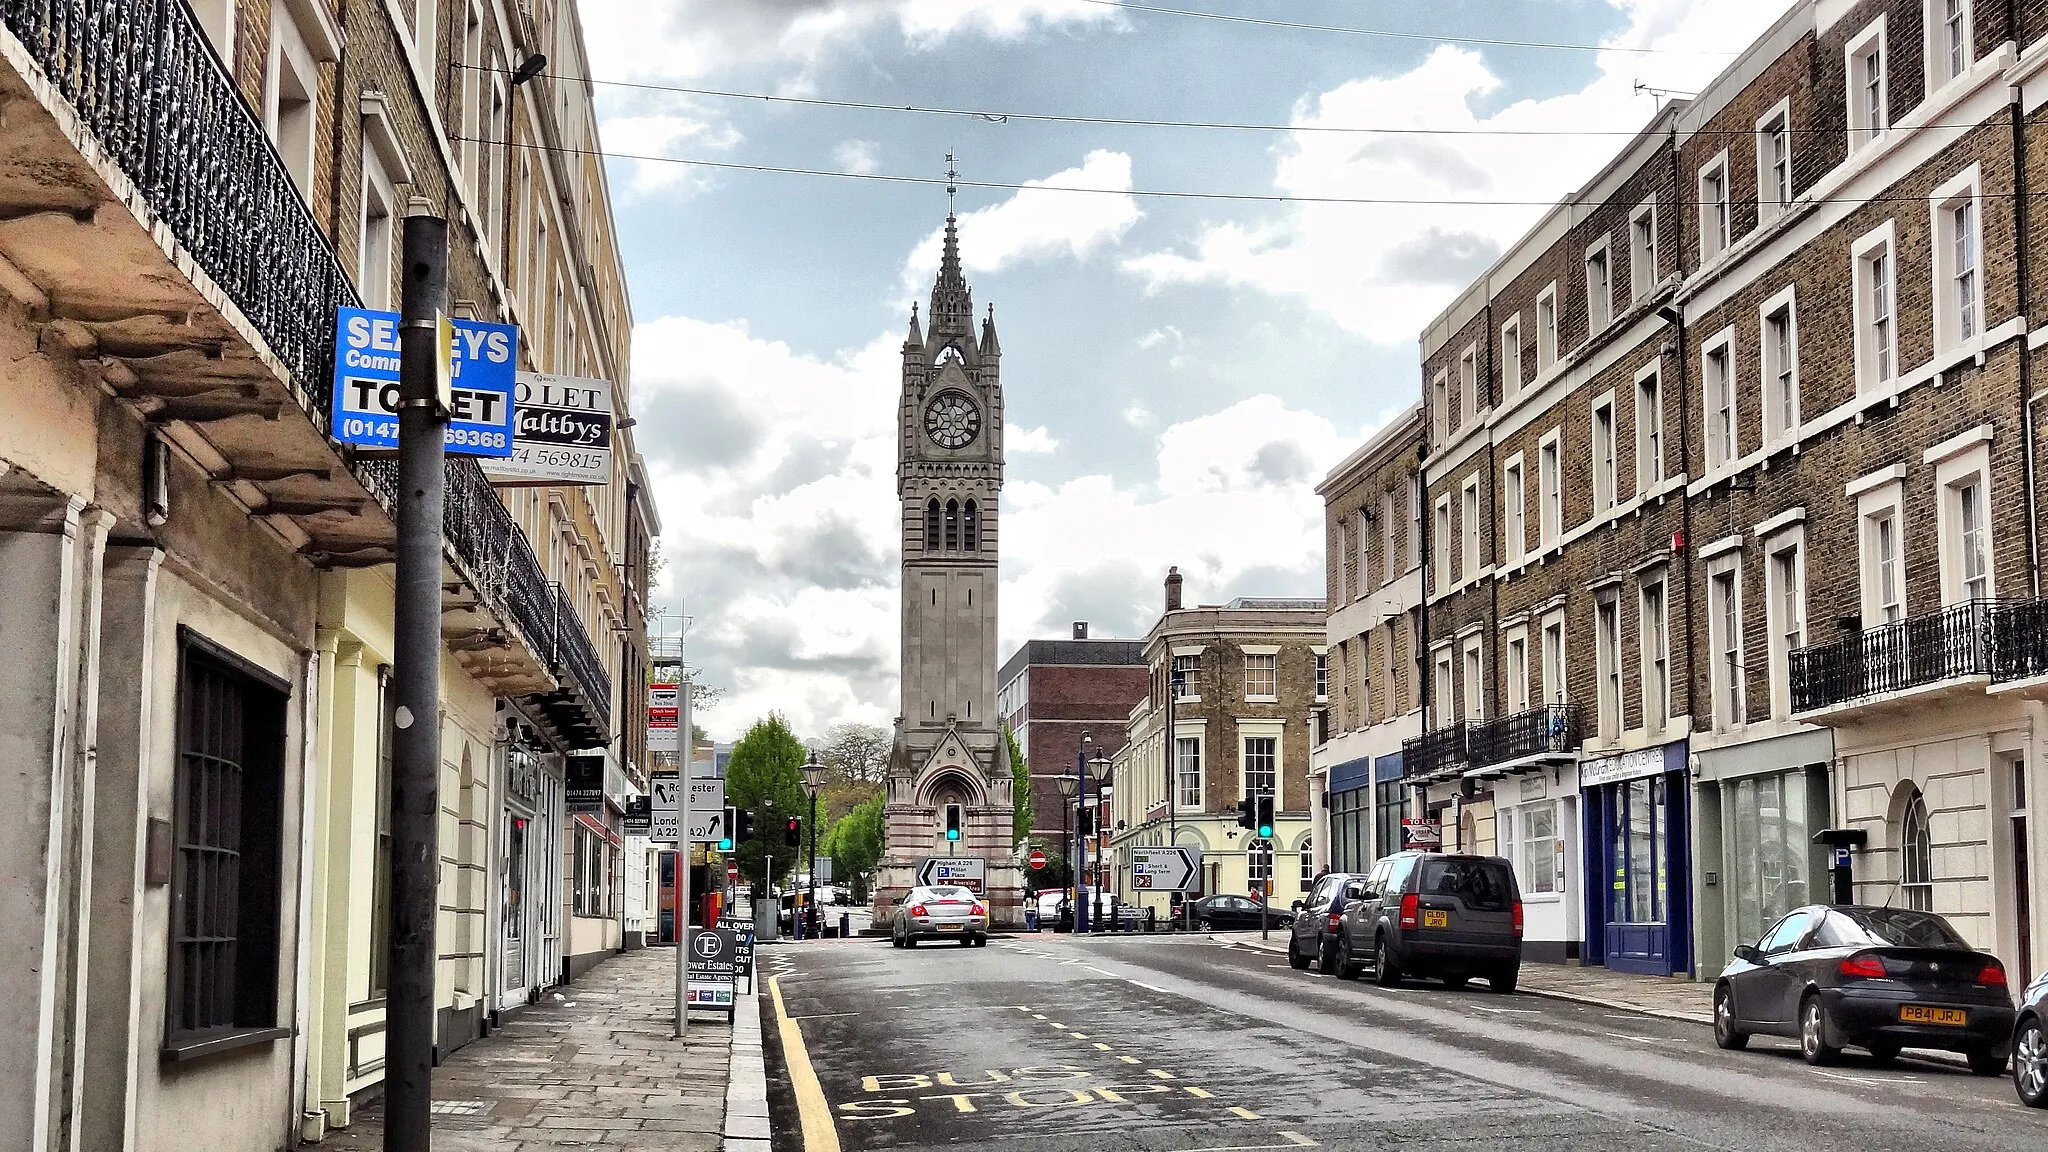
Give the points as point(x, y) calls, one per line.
point(1051, 1044)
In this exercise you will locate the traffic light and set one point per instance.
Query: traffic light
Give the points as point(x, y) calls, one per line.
point(730, 836)
point(952, 821)
point(792, 831)
point(1085, 821)
point(742, 825)
point(1265, 817)
point(1246, 818)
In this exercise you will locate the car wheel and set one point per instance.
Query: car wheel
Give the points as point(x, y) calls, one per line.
point(1295, 959)
point(1347, 964)
point(981, 941)
point(1726, 1034)
point(2030, 1065)
point(1985, 1062)
point(1813, 1035)
point(1386, 971)
point(909, 941)
point(1884, 1052)
point(1503, 979)
point(1326, 959)
point(1456, 981)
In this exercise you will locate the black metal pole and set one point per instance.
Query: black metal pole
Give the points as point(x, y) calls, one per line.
point(811, 901)
point(1081, 848)
point(416, 740)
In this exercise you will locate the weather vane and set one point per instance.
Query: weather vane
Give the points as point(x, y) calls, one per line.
point(952, 174)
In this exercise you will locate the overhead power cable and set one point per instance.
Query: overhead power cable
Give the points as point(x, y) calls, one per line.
point(1387, 34)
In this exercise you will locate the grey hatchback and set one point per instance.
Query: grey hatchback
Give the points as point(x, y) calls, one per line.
point(1435, 914)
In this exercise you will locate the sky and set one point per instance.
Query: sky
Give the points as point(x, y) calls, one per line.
point(1179, 371)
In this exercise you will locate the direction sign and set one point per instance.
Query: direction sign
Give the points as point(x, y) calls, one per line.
point(662, 788)
point(1165, 869)
point(1036, 859)
point(969, 872)
point(707, 810)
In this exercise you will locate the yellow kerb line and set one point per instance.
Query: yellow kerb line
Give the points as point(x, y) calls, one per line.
point(820, 1134)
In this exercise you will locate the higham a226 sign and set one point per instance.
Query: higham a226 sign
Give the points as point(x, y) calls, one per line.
point(564, 433)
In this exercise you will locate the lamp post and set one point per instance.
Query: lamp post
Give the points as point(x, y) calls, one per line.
point(814, 779)
point(1066, 785)
point(1081, 836)
point(1100, 834)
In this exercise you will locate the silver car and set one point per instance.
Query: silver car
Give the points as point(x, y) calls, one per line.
point(939, 912)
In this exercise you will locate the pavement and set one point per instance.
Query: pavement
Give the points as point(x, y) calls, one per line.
point(1199, 1043)
point(594, 1065)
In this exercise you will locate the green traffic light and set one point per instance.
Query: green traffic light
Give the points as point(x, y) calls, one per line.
point(1265, 831)
point(725, 845)
point(952, 833)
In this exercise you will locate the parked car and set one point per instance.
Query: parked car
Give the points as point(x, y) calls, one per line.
point(2030, 1045)
point(1882, 979)
point(1222, 911)
point(1314, 935)
point(1435, 914)
point(937, 913)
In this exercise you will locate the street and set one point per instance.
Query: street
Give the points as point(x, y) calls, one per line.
point(1183, 1044)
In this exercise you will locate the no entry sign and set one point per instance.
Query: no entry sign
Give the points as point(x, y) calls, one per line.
point(1037, 858)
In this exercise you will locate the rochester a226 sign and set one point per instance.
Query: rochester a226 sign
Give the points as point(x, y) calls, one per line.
point(564, 433)
point(482, 366)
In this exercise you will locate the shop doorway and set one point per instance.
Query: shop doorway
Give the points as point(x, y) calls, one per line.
point(1638, 871)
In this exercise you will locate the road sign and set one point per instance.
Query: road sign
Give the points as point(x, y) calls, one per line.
point(969, 872)
point(662, 788)
point(823, 873)
point(1037, 858)
point(1165, 869)
point(732, 869)
point(707, 810)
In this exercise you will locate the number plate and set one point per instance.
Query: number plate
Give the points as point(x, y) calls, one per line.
point(1921, 1014)
point(949, 927)
point(1436, 919)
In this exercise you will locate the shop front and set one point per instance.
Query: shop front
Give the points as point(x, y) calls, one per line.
point(1390, 804)
point(1758, 805)
point(1536, 816)
point(1638, 860)
point(528, 929)
point(1350, 835)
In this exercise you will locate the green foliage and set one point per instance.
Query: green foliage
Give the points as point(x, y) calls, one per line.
point(1022, 811)
point(1057, 873)
point(855, 845)
point(765, 777)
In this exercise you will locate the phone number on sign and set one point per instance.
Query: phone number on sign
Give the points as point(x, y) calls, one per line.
point(356, 427)
point(476, 438)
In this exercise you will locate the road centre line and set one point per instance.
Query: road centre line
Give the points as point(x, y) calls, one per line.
point(1201, 1093)
point(1101, 1047)
point(1246, 1113)
point(1130, 1059)
point(814, 1113)
point(1078, 1035)
point(1161, 1073)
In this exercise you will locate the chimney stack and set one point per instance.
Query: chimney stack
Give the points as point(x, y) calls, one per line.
point(1173, 589)
point(1080, 629)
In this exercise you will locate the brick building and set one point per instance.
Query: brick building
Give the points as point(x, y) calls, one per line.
point(1051, 692)
point(1731, 532)
point(1247, 678)
point(1374, 557)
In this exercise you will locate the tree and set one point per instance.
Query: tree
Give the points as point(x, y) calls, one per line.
point(765, 776)
point(855, 845)
point(857, 752)
point(1022, 811)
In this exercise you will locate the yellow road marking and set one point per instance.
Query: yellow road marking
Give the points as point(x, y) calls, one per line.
point(1101, 1047)
point(1163, 1075)
point(820, 1134)
point(1245, 1112)
point(1078, 1035)
point(1055, 1023)
point(1206, 1095)
point(1130, 1059)
point(1038, 1015)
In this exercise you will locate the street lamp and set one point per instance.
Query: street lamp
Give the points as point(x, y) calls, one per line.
point(1081, 835)
point(1066, 785)
point(814, 779)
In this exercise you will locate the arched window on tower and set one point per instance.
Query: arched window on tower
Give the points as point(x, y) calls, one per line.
point(931, 525)
point(952, 525)
point(973, 526)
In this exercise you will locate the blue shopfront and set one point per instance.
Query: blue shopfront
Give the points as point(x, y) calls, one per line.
point(1638, 845)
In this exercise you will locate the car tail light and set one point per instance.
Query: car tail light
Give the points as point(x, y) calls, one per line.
point(1993, 975)
point(979, 910)
point(1518, 917)
point(917, 910)
point(1411, 906)
point(1336, 920)
point(1864, 968)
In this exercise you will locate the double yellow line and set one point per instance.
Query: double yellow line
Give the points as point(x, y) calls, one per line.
point(820, 1134)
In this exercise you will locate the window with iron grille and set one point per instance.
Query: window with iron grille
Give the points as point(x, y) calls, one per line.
point(227, 826)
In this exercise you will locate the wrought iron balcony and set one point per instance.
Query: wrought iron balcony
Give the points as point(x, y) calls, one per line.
point(1551, 729)
point(2019, 641)
point(1436, 751)
point(576, 655)
point(1951, 644)
point(148, 88)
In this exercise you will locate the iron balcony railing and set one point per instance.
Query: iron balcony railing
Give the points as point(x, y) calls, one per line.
point(2019, 640)
point(575, 653)
point(1549, 728)
point(1919, 650)
point(1436, 750)
point(146, 84)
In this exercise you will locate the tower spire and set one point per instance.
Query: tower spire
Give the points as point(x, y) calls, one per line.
point(952, 311)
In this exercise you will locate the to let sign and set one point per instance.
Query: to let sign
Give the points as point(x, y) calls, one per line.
point(482, 368)
point(563, 433)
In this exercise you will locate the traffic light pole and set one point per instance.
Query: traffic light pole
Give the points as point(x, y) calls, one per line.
point(683, 888)
point(1265, 892)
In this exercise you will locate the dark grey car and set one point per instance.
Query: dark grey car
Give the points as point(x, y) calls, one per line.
point(1314, 935)
point(1435, 914)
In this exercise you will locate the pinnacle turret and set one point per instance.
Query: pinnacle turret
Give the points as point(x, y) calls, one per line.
point(952, 303)
point(989, 345)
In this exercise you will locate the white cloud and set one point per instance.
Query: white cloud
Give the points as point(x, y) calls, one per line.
point(1140, 417)
point(858, 156)
point(1028, 441)
point(666, 134)
point(1036, 223)
point(1384, 270)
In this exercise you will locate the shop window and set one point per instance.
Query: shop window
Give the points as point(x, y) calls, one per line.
point(1768, 842)
point(1638, 838)
point(1916, 856)
point(1529, 841)
point(1390, 804)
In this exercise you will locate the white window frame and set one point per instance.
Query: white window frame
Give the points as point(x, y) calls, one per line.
point(1514, 499)
point(377, 233)
point(1192, 681)
point(1180, 795)
point(1775, 189)
point(1556, 670)
point(1251, 652)
point(1515, 645)
point(1340, 591)
point(1964, 469)
point(1941, 48)
point(1390, 511)
point(1511, 357)
point(1440, 403)
point(1720, 407)
point(1878, 588)
point(1649, 426)
point(1603, 430)
point(1550, 490)
point(1472, 672)
point(1717, 208)
point(1443, 543)
point(1779, 386)
point(1642, 262)
point(1599, 285)
point(1468, 529)
point(1728, 657)
point(1785, 556)
point(1653, 650)
point(1445, 687)
point(1418, 510)
point(1468, 386)
point(425, 38)
point(1610, 706)
point(1958, 306)
point(1867, 124)
point(1877, 354)
point(1322, 685)
point(1364, 580)
point(1546, 328)
point(1276, 731)
point(291, 85)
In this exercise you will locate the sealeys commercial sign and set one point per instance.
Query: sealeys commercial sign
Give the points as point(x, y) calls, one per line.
point(563, 433)
point(481, 360)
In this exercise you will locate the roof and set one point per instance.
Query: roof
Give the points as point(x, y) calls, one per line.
point(1045, 653)
point(1287, 603)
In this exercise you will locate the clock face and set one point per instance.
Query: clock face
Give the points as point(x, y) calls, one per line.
point(952, 421)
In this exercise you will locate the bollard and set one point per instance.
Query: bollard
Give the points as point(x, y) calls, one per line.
point(1151, 918)
point(845, 926)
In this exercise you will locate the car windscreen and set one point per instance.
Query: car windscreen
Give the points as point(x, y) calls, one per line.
point(1482, 885)
point(1889, 928)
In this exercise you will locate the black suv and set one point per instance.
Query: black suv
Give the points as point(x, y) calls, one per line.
point(1314, 938)
point(1435, 914)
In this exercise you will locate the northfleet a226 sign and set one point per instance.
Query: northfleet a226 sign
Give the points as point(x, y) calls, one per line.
point(482, 369)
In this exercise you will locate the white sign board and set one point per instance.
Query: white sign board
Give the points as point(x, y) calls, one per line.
point(707, 810)
point(562, 432)
point(1165, 869)
point(662, 788)
point(664, 714)
point(969, 872)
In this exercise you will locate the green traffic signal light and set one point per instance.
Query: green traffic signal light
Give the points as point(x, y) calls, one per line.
point(1265, 817)
point(725, 845)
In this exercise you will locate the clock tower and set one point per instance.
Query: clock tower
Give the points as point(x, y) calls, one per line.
point(950, 766)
